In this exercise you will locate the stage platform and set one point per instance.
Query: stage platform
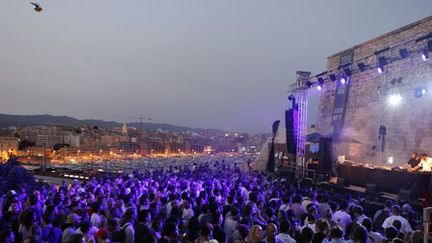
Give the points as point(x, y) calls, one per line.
point(385, 195)
point(412, 185)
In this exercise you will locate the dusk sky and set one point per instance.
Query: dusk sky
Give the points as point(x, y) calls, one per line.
point(210, 64)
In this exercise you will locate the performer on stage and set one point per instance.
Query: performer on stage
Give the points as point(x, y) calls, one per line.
point(425, 164)
point(413, 162)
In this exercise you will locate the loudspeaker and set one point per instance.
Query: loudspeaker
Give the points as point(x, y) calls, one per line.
point(289, 127)
point(372, 189)
point(344, 182)
point(404, 194)
point(325, 155)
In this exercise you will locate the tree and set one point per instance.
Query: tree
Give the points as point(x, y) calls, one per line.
point(24, 144)
point(58, 146)
point(15, 177)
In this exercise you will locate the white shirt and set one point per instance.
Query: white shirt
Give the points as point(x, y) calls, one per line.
point(376, 237)
point(284, 207)
point(406, 227)
point(341, 218)
point(230, 226)
point(187, 214)
point(286, 238)
point(96, 220)
point(426, 164)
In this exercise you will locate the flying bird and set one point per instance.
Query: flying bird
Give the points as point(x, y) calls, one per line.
point(37, 7)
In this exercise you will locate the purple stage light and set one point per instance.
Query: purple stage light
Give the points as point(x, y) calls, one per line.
point(343, 80)
point(319, 87)
point(380, 69)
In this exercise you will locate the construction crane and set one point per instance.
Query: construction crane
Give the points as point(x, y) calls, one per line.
point(141, 118)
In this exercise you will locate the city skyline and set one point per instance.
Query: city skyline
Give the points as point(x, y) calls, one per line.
point(205, 64)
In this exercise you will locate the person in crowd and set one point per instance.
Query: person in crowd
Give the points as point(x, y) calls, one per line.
point(242, 234)
point(72, 223)
point(102, 236)
point(50, 233)
point(425, 164)
point(142, 231)
point(341, 216)
point(412, 162)
point(358, 214)
point(336, 235)
point(7, 236)
point(323, 204)
point(382, 214)
point(321, 228)
point(231, 222)
point(127, 222)
point(255, 234)
point(405, 226)
point(218, 232)
point(373, 236)
point(86, 230)
point(359, 234)
point(285, 227)
point(29, 218)
point(306, 235)
point(415, 237)
point(271, 234)
point(169, 233)
point(391, 233)
point(310, 223)
point(206, 234)
point(297, 206)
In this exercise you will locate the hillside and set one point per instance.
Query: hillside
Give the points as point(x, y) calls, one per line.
point(47, 120)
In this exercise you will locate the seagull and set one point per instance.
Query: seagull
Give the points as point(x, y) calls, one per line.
point(37, 7)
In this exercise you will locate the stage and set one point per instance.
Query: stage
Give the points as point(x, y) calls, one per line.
point(390, 181)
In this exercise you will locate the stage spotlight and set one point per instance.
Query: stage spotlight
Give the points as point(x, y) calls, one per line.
point(309, 84)
point(419, 92)
point(320, 83)
point(362, 66)
point(343, 80)
point(390, 160)
point(347, 72)
point(382, 61)
point(395, 99)
point(380, 69)
point(332, 77)
point(403, 53)
point(425, 55)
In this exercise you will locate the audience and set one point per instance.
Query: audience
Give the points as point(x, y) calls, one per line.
point(211, 202)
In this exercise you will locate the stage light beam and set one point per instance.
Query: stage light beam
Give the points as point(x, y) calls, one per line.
point(395, 99)
point(343, 80)
point(382, 61)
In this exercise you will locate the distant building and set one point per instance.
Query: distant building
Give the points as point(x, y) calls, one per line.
point(124, 129)
point(73, 140)
point(8, 146)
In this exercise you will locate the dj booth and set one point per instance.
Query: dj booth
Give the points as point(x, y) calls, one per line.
point(391, 181)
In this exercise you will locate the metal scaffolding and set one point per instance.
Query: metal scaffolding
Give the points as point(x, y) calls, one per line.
point(300, 123)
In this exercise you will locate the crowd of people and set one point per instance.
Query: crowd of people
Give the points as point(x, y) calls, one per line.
point(210, 201)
